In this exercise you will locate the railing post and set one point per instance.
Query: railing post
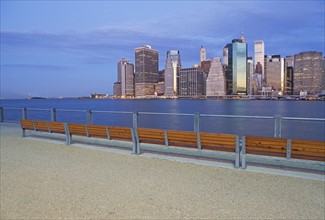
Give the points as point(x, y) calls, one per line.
point(89, 117)
point(288, 152)
point(1, 114)
point(136, 146)
point(243, 152)
point(197, 124)
point(67, 133)
point(53, 114)
point(24, 113)
point(237, 157)
point(277, 126)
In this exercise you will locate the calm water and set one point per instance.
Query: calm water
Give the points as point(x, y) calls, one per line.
point(261, 127)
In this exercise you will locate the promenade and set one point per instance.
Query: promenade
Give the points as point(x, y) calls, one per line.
point(46, 179)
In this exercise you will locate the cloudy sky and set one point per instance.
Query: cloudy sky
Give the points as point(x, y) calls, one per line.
point(70, 48)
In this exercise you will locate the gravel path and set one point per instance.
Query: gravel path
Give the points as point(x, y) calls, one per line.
point(41, 180)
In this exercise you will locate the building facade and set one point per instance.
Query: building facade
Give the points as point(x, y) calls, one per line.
point(288, 75)
point(125, 73)
point(172, 67)
point(308, 72)
point(259, 51)
point(239, 62)
point(191, 82)
point(216, 81)
point(275, 73)
point(250, 75)
point(203, 54)
point(146, 70)
point(227, 60)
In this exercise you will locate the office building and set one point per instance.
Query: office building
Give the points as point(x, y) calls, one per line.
point(125, 73)
point(275, 73)
point(172, 67)
point(239, 62)
point(203, 54)
point(117, 89)
point(191, 82)
point(308, 72)
point(227, 60)
point(235, 60)
point(259, 57)
point(288, 75)
point(250, 75)
point(216, 81)
point(146, 70)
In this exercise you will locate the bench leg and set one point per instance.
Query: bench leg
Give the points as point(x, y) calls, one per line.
point(23, 132)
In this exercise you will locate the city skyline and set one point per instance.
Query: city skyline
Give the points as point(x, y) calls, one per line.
point(78, 53)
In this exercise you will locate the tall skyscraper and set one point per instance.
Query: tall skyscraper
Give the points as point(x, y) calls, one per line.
point(146, 70)
point(259, 57)
point(308, 72)
point(191, 82)
point(250, 75)
point(125, 75)
point(239, 62)
point(203, 54)
point(216, 81)
point(288, 75)
point(275, 73)
point(172, 67)
point(227, 60)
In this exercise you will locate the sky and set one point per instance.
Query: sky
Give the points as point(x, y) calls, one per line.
point(71, 48)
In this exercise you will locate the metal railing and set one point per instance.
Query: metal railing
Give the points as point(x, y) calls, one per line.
point(26, 113)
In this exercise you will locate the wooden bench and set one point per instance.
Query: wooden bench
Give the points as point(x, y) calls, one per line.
point(26, 125)
point(308, 150)
point(120, 133)
point(97, 131)
point(151, 136)
point(182, 138)
point(77, 129)
point(266, 146)
point(56, 127)
point(218, 142)
point(41, 126)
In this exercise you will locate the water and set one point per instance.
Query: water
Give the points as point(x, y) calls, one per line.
point(258, 127)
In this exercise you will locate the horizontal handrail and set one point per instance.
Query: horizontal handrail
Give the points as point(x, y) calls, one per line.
point(70, 110)
point(303, 119)
point(112, 112)
point(237, 116)
point(164, 113)
point(39, 109)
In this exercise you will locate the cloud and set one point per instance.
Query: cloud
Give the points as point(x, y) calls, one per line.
point(36, 66)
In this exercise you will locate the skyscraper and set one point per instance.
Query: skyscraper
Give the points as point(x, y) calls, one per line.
point(259, 57)
point(125, 75)
point(146, 70)
point(308, 72)
point(216, 81)
point(239, 62)
point(191, 82)
point(288, 75)
point(203, 54)
point(173, 65)
point(275, 73)
point(250, 75)
point(227, 60)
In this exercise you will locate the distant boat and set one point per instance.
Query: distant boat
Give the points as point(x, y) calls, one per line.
point(36, 97)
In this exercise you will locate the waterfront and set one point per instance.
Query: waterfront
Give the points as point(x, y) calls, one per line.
point(241, 126)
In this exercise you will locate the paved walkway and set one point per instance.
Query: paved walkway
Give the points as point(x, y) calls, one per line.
point(44, 180)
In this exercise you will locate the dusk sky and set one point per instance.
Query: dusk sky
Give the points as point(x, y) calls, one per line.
point(70, 48)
